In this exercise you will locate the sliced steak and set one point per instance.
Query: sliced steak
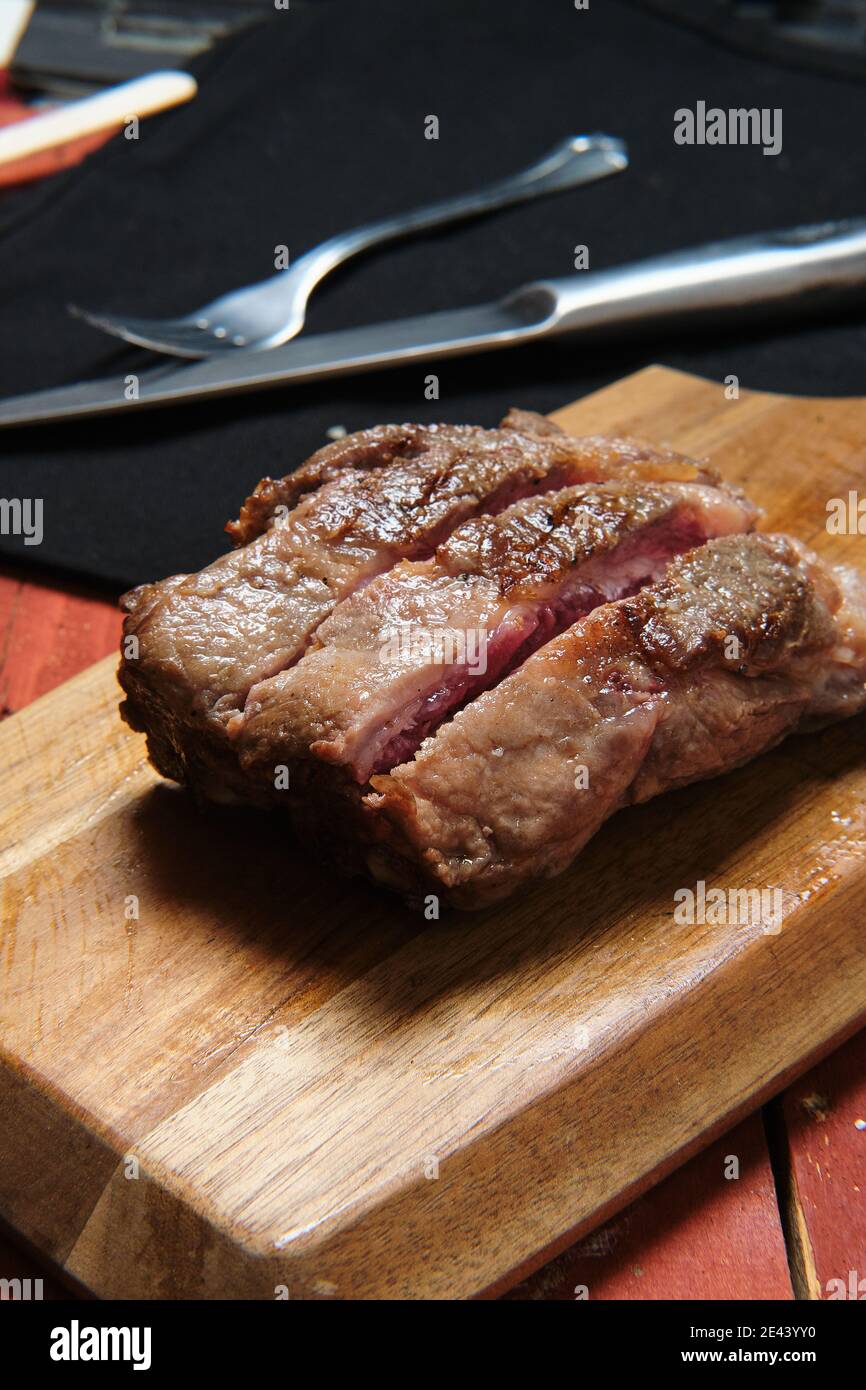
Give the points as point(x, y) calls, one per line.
point(529, 422)
point(194, 645)
point(744, 640)
point(397, 657)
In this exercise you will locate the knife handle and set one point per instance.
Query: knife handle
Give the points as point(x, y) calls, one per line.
point(799, 266)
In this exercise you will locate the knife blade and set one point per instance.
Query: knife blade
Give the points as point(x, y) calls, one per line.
point(304, 359)
point(794, 269)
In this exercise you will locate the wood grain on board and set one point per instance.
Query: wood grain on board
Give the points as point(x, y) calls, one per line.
point(317, 1091)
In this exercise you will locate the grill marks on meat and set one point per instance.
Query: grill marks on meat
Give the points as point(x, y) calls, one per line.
point(307, 542)
point(744, 640)
point(370, 449)
point(395, 659)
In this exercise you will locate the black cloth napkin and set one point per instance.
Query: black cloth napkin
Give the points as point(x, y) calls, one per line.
point(313, 122)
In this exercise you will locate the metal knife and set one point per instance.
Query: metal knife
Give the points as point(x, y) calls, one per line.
point(793, 269)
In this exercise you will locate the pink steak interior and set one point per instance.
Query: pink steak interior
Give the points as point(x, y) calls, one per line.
point(639, 560)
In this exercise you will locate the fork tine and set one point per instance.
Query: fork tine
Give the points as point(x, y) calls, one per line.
point(161, 335)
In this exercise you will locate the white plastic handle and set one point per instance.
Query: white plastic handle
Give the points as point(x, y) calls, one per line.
point(105, 111)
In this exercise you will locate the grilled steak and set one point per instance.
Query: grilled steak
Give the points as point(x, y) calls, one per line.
point(744, 640)
point(194, 645)
point(472, 646)
point(397, 657)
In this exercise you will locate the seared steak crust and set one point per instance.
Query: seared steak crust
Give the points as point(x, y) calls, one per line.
point(541, 540)
point(743, 640)
point(529, 422)
point(394, 659)
point(762, 600)
point(195, 644)
point(372, 449)
point(367, 449)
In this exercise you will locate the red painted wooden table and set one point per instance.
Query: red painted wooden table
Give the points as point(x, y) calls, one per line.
point(790, 1224)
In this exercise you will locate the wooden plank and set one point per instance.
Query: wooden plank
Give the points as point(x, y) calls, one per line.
point(35, 656)
point(709, 1231)
point(48, 635)
point(291, 1061)
point(824, 1118)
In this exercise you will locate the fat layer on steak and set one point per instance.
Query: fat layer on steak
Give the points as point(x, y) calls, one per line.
point(744, 640)
point(194, 645)
point(396, 658)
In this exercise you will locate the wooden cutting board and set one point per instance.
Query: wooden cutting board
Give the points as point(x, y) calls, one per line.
point(226, 1072)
